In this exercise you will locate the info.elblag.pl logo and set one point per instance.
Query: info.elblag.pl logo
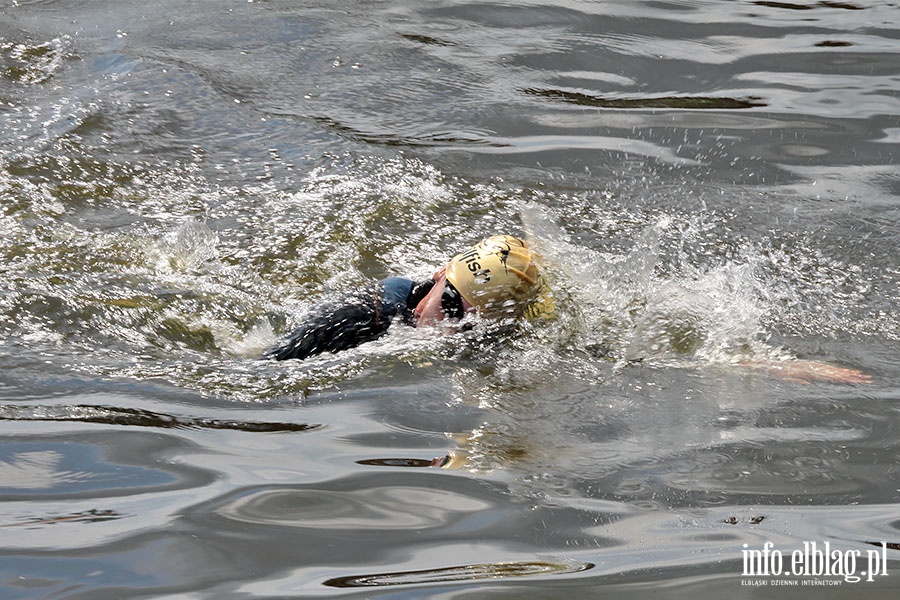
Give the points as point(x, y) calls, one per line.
point(812, 563)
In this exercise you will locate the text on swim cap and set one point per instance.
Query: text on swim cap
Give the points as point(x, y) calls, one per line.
point(470, 258)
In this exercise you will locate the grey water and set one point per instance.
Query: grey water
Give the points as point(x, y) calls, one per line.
point(714, 188)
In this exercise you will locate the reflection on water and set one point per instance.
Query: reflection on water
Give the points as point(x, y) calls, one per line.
point(662, 102)
point(711, 184)
point(463, 573)
point(392, 508)
point(88, 516)
point(137, 418)
point(91, 466)
point(405, 462)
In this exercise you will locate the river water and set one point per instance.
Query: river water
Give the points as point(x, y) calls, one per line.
point(711, 183)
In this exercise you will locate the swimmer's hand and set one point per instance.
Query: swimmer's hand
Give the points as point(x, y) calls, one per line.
point(808, 371)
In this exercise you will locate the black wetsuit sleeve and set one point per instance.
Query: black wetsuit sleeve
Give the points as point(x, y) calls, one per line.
point(333, 328)
point(362, 317)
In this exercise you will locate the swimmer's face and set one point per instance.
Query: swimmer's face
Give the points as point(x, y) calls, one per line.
point(443, 302)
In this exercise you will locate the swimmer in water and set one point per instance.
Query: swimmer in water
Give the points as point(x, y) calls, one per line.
point(497, 277)
point(500, 276)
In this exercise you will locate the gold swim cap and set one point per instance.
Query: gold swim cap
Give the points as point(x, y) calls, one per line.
point(498, 275)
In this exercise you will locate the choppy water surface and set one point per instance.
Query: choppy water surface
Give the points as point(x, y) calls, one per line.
point(711, 183)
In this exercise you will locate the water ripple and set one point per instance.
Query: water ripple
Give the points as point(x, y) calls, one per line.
point(491, 571)
point(137, 418)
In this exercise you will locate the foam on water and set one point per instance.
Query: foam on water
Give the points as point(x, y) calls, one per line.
point(34, 62)
point(632, 307)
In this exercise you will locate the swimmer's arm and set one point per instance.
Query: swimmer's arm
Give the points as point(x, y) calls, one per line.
point(362, 317)
point(807, 371)
point(332, 329)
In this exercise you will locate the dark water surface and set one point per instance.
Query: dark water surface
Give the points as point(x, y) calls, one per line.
point(711, 183)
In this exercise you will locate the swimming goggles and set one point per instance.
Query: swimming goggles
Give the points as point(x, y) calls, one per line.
point(452, 303)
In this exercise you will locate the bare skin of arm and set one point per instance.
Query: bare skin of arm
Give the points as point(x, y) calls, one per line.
point(808, 371)
point(428, 311)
